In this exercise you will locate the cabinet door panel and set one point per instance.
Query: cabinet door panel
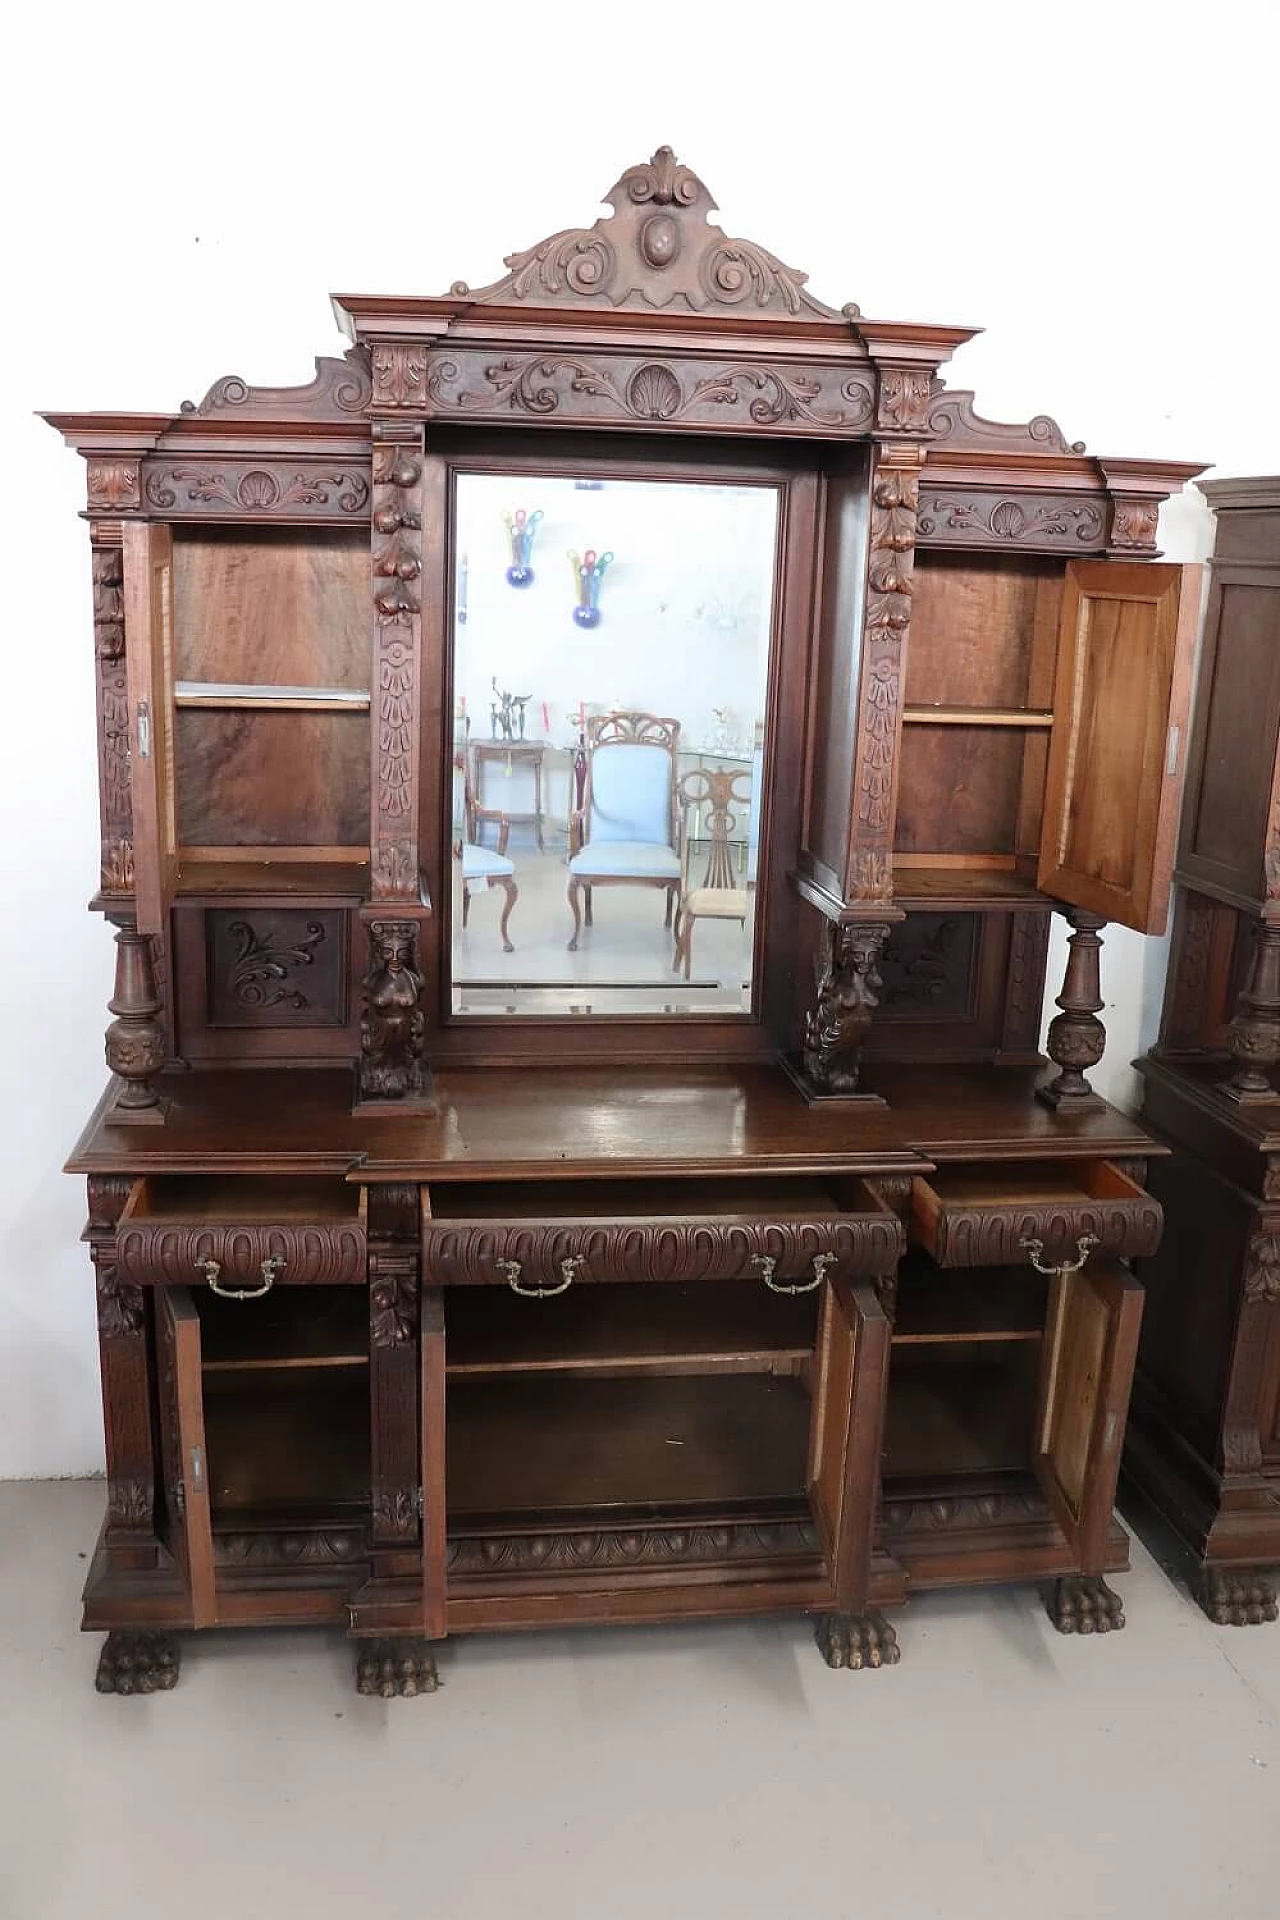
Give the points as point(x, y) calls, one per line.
point(433, 1444)
point(182, 1447)
point(1090, 1345)
point(1119, 733)
point(848, 1426)
point(148, 594)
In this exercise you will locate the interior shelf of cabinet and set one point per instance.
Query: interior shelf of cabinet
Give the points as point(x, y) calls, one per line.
point(550, 1443)
point(960, 1409)
point(975, 717)
point(312, 873)
point(956, 885)
point(229, 694)
point(613, 1332)
point(966, 1304)
point(295, 1444)
point(292, 1328)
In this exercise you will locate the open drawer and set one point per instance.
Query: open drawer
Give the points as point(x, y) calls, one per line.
point(242, 1234)
point(1053, 1212)
point(541, 1237)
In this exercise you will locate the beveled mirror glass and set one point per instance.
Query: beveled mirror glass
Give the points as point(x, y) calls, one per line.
point(612, 641)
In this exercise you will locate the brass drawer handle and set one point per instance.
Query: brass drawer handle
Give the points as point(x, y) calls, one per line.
point(767, 1267)
point(1084, 1247)
point(570, 1268)
point(212, 1271)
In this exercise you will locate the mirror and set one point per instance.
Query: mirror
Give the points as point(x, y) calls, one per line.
point(611, 671)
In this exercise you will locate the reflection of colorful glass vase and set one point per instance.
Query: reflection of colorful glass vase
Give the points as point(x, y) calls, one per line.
point(521, 527)
point(588, 572)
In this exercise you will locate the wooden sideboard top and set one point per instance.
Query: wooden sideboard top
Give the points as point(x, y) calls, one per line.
point(575, 1121)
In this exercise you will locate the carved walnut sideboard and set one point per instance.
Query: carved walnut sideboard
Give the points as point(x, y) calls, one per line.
point(421, 1320)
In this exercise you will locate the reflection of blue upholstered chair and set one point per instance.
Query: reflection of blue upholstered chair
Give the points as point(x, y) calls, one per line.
point(626, 833)
point(482, 867)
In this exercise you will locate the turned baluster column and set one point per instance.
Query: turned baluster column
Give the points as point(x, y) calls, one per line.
point(135, 1038)
point(1254, 1034)
point(1077, 1038)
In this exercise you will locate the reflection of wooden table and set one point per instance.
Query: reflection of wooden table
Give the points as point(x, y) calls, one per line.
point(522, 753)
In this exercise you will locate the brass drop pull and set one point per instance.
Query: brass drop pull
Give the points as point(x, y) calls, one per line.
point(767, 1267)
point(570, 1267)
point(1084, 1247)
point(212, 1271)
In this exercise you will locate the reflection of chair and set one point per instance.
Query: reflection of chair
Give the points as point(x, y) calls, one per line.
point(482, 867)
point(719, 897)
point(625, 834)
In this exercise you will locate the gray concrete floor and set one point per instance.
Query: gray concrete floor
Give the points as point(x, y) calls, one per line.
point(1000, 1770)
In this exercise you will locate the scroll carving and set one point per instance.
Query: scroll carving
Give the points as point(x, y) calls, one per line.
point(1262, 1271)
point(256, 488)
point(262, 974)
point(340, 388)
point(662, 1250)
point(667, 392)
point(650, 1547)
point(393, 1028)
point(846, 996)
point(952, 418)
point(154, 1252)
point(659, 247)
point(1027, 521)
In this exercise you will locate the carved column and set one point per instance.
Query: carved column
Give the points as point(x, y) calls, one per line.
point(136, 1039)
point(115, 800)
point(1077, 1038)
point(1254, 1034)
point(846, 996)
point(392, 1064)
point(122, 1347)
point(394, 1257)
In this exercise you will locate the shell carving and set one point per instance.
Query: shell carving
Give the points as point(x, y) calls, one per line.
point(654, 393)
point(1008, 520)
point(258, 489)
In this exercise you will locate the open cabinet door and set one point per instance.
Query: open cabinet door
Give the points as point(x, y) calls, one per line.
point(148, 606)
point(851, 1379)
point(182, 1447)
point(433, 1486)
point(1089, 1349)
point(1121, 694)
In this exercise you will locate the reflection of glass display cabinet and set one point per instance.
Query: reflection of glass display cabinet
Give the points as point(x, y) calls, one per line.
point(468, 1208)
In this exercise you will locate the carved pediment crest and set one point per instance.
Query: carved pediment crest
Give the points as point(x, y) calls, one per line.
point(657, 248)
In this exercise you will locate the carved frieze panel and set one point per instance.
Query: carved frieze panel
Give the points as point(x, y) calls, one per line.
point(638, 390)
point(276, 967)
point(1028, 521)
point(649, 1547)
point(928, 968)
point(201, 488)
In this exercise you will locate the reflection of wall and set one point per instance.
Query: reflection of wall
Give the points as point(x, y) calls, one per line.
point(685, 605)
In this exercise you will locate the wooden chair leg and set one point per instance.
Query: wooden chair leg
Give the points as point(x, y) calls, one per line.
point(466, 903)
point(577, 915)
point(587, 892)
point(687, 943)
point(671, 901)
point(512, 892)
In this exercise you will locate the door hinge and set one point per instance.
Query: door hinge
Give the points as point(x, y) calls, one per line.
point(421, 1504)
point(144, 730)
point(1171, 757)
point(197, 1469)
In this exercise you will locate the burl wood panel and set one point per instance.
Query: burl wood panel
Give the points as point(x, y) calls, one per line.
point(960, 790)
point(272, 779)
point(288, 607)
point(1225, 825)
point(977, 625)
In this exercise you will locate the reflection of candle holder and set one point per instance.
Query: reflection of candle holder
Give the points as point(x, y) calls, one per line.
point(521, 527)
point(588, 572)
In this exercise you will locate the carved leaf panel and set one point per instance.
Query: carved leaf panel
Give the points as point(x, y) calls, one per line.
point(150, 1253)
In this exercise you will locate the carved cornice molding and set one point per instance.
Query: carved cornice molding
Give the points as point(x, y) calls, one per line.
point(658, 248)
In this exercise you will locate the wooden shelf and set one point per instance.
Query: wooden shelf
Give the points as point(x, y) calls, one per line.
point(611, 1332)
point(975, 717)
point(960, 1409)
point(957, 888)
point(986, 1304)
point(227, 695)
point(208, 876)
point(539, 1443)
point(294, 1327)
point(292, 1444)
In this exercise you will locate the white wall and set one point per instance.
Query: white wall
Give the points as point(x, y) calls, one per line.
point(185, 186)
